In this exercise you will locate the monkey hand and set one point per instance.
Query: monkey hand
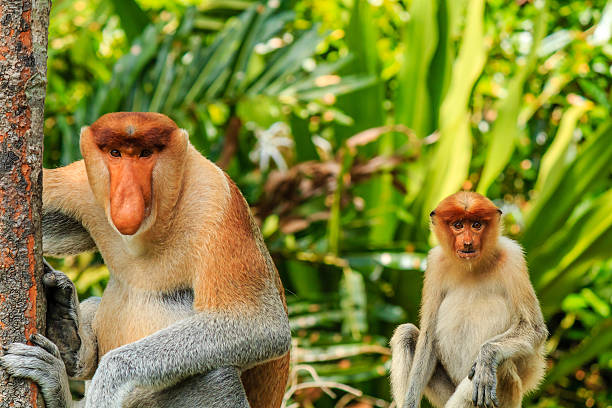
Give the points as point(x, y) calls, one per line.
point(62, 315)
point(410, 404)
point(484, 378)
point(42, 364)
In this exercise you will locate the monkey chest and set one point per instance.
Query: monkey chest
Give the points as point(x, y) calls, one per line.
point(465, 321)
point(126, 315)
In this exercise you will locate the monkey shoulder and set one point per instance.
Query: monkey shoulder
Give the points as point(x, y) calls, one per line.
point(435, 256)
point(512, 258)
point(436, 265)
point(511, 246)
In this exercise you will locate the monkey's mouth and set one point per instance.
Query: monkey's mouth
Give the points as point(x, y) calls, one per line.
point(467, 253)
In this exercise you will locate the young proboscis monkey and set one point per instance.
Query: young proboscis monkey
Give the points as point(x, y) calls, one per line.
point(481, 341)
point(194, 312)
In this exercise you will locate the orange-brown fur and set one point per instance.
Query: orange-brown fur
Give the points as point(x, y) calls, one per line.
point(479, 309)
point(198, 233)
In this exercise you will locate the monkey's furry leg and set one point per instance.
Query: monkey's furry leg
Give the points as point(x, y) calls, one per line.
point(220, 388)
point(198, 344)
point(403, 345)
point(41, 363)
point(462, 397)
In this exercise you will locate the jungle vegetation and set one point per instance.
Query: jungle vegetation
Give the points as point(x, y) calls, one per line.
point(344, 122)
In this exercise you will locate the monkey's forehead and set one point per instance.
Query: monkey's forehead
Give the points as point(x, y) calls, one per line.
point(461, 214)
point(466, 204)
point(134, 128)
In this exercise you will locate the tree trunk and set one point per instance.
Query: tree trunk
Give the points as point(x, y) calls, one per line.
point(23, 70)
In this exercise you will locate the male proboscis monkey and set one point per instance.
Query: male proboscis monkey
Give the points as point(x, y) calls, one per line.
point(194, 312)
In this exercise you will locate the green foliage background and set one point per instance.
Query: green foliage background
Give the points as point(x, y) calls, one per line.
point(344, 123)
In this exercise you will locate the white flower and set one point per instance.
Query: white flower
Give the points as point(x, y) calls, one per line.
point(269, 142)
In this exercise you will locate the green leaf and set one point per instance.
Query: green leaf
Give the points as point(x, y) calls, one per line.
point(599, 341)
point(557, 201)
point(287, 61)
point(506, 129)
point(556, 155)
point(567, 247)
point(598, 304)
point(133, 19)
point(353, 302)
point(420, 38)
point(449, 167)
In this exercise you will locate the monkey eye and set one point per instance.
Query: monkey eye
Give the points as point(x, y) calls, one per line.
point(146, 153)
point(458, 225)
point(115, 153)
point(477, 225)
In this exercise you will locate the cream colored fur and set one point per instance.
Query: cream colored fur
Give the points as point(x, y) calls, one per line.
point(464, 309)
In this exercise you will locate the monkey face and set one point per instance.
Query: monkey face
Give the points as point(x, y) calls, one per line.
point(467, 235)
point(466, 225)
point(121, 152)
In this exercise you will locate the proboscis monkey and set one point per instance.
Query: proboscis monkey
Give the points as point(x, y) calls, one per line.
point(481, 341)
point(194, 312)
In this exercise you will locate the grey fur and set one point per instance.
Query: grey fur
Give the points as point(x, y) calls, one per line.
point(220, 388)
point(194, 362)
point(87, 356)
point(484, 378)
point(64, 234)
point(195, 345)
point(42, 364)
point(403, 346)
point(179, 298)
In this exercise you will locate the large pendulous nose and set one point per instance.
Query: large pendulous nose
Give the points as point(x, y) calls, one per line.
point(127, 203)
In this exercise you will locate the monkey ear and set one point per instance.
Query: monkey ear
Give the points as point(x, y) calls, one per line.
point(84, 130)
point(84, 138)
point(185, 134)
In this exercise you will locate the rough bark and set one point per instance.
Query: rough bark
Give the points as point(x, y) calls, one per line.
point(23, 68)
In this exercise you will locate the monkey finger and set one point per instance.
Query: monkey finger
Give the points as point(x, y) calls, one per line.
point(494, 397)
point(481, 396)
point(472, 372)
point(50, 279)
point(59, 280)
point(60, 288)
point(23, 350)
point(487, 397)
point(22, 368)
point(475, 394)
point(46, 344)
point(46, 267)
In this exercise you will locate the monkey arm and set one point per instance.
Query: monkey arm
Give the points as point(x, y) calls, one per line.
point(422, 369)
point(524, 339)
point(196, 345)
point(87, 355)
point(67, 197)
point(526, 336)
point(64, 235)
